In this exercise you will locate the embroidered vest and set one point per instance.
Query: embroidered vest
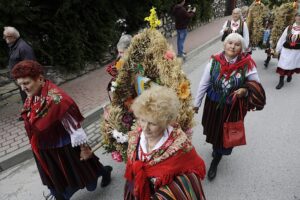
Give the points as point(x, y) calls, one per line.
point(292, 40)
point(221, 88)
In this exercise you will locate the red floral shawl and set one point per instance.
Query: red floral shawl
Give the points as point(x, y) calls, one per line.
point(52, 106)
point(243, 60)
point(43, 114)
point(177, 156)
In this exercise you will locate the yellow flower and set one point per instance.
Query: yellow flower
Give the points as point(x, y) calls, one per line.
point(119, 64)
point(184, 90)
point(152, 19)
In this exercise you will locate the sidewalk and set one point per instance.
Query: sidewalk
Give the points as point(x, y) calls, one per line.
point(89, 92)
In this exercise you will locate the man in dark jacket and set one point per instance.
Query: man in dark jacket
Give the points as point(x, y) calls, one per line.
point(182, 18)
point(19, 50)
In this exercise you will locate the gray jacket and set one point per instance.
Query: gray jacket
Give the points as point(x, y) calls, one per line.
point(19, 51)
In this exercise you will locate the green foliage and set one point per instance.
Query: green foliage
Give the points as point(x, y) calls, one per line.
point(69, 33)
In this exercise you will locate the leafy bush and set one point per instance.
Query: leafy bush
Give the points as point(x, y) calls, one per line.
point(69, 33)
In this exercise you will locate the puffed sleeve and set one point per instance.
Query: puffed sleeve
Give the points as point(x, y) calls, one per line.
point(223, 28)
point(281, 41)
point(203, 85)
point(246, 34)
point(77, 134)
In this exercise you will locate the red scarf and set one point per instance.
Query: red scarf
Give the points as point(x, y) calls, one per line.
point(181, 162)
point(243, 60)
point(43, 114)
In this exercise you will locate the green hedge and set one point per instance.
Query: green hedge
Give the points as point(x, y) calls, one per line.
point(69, 33)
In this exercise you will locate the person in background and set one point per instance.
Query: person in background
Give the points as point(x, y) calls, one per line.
point(162, 163)
point(228, 74)
point(236, 25)
point(244, 11)
point(289, 48)
point(59, 144)
point(19, 50)
point(182, 19)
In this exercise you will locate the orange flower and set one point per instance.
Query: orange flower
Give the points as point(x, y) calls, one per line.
point(119, 64)
point(184, 90)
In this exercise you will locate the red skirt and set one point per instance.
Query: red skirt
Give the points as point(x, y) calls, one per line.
point(284, 72)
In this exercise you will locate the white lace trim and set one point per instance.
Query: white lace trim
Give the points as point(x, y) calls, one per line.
point(78, 137)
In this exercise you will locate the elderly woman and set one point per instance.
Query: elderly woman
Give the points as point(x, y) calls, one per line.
point(227, 73)
point(52, 122)
point(162, 163)
point(236, 25)
point(289, 48)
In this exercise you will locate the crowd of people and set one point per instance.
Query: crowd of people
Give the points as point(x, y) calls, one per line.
point(161, 161)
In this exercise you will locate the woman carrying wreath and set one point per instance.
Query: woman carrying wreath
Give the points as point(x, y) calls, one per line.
point(162, 163)
point(228, 74)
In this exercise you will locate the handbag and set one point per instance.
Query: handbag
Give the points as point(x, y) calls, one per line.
point(234, 132)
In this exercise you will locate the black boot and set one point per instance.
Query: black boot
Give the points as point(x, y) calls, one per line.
point(281, 82)
point(289, 79)
point(106, 178)
point(212, 172)
point(267, 61)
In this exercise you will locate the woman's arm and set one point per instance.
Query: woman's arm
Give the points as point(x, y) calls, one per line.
point(203, 85)
point(281, 41)
point(246, 34)
point(78, 135)
point(224, 28)
point(251, 75)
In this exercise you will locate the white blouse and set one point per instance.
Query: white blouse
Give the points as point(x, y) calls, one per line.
point(163, 139)
point(282, 39)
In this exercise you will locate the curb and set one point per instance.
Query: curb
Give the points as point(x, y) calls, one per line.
point(90, 118)
point(25, 153)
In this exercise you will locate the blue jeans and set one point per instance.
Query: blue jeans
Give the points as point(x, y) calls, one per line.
point(181, 35)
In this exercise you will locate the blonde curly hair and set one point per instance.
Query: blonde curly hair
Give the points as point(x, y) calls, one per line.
point(158, 104)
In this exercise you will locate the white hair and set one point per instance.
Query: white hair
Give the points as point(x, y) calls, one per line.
point(235, 37)
point(244, 8)
point(124, 42)
point(238, 10)
point(11, 30)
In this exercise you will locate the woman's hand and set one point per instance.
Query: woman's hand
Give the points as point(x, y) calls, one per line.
point(85, 152)
point(196, 109)
point(242, 92)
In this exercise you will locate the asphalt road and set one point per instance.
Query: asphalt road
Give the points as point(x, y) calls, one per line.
point(267, 168)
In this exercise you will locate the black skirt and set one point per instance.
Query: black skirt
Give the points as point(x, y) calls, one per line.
point(67, 173)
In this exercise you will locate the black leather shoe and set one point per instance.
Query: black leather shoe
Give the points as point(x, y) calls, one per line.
point(212, 172)
point(106, 178)
point(279, 86)
point(289, 79)
point(20, 119)
point(281, 83)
